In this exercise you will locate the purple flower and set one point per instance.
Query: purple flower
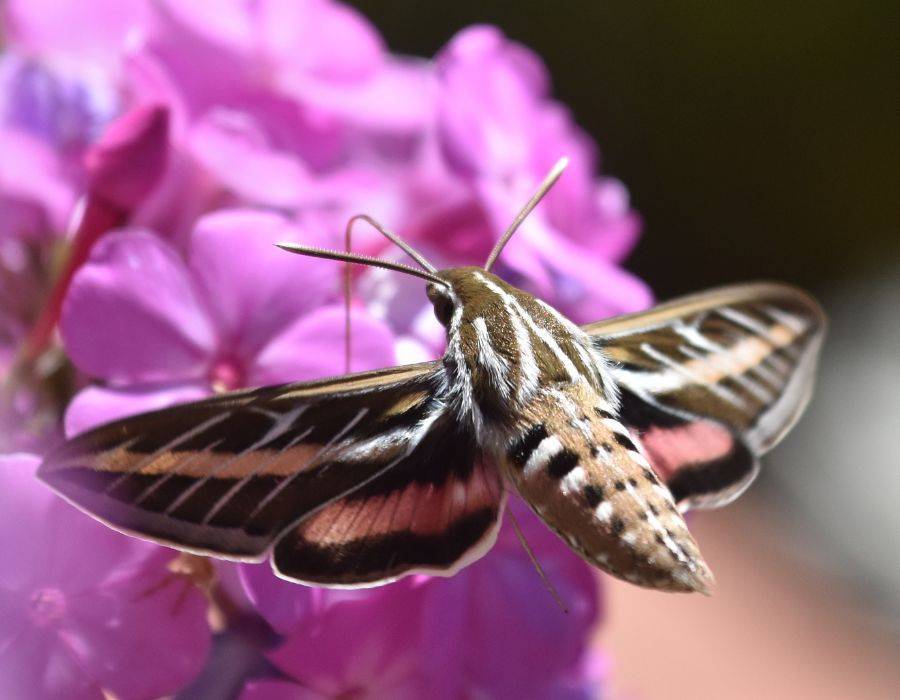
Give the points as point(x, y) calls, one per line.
point(48, 116)
point(495, 628)
point(322, 54)
point(351, 643)
point(82, 608)
point(127, 162)
point(236, 311)
point(64, 109)
point(122, 168)
point(499, 130)
point(36, 197)
point(89, 35)
point(186, 295)
point(492, 630)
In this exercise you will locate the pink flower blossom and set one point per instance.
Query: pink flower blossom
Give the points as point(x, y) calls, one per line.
point(83, 609)
point(491, 630)
point(323, 55)
point(47, 120)
point(35, 195)
point(126, 163)
point(499, 129)
point(122, 168)
point(64, 109)
point(198, 135)
point(237, 311)
point(42, 132)
point(349, 643)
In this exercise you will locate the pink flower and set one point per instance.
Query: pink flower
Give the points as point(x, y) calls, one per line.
point(499, 129)
point(194, 180)
point(36, 197)
point(322, 54)
point(497, 629)
point(65, 109)
point(128, 160)
point(82, 608)
point(122, 168)
point(47, 119)
point(89, 35)
point(491, 630)
point(350, 643)
point(237, 311)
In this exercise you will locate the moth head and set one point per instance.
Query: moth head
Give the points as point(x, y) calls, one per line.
point(442, 299)
point(462, 287)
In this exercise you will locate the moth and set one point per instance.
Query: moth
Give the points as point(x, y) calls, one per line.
point(609, 431)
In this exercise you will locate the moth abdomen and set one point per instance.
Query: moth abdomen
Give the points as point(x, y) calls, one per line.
point(586, 478)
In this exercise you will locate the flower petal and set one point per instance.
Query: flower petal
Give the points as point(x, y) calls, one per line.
point(95, 405)
point(313, 348)
point(132, 313)
point(490, 92)
point(25, 502)
point(78, 553)
point(151, 613)
point(35, 199)
point(397, 98)
point(267, 176)
point(38, 665)
point(328, 40)
point(253, 288)
point(194, 59)
point(92, 29)
point(65, 548)
point(365, 641)
point(91, 625)
point(602, 291)
point(588, 288)
point(510, 636)
point(277, 690)
point(284, 605)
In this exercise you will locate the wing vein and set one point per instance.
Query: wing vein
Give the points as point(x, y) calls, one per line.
point(184, 437)
point(287, 481)
point(679, 368)
point(282, 425)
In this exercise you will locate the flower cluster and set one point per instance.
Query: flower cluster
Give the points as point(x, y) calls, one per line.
point(152, 153)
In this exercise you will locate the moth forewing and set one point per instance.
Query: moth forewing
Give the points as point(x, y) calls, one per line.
point(713, 381)
point(231, 475)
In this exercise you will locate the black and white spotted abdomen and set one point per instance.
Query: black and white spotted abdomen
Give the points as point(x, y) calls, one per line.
point(583, 474)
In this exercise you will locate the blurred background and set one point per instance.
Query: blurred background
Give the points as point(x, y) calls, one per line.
point(758, 140)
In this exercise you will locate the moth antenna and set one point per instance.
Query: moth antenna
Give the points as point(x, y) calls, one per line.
point(361, 260)
point(542, 190)
point(537, 565)
point(393, 238)
point(347, 291)
point(348, 247)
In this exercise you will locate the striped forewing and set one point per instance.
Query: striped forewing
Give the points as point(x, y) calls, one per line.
point(711, 381)
point(228, 475)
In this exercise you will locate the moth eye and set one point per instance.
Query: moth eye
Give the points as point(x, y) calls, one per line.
point(443, 309)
